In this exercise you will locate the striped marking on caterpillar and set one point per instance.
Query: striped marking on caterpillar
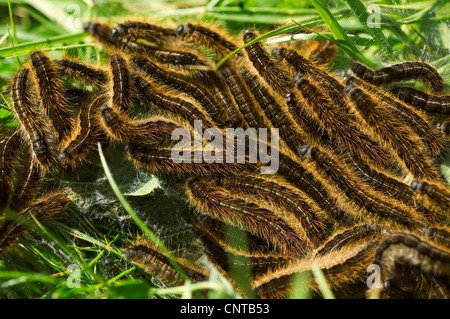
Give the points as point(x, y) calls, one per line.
point(102, 33)
point(289, 130)
point(344, 270)
point(144, 41)
point(339, 177)
point(414, 251)
point(152, 130)
point(178, 58)
point(331, 87)
point(311, 125)
point(434, 196)
point(32, 124)
point(355, 235)
point(334, 91)
point(86, 134)
point(405, 146)
point(149, 39)
point(42, 209)
point(224, 257)
point(144, 30)
point(207, 35)
point(220, 232)
point(29, 184)
point(279, 195)
point(81, 72)
point(242, 96)
point(157, 96)
point(338, 125)
point(122, 84)
point(51, 94)
point(220, 89)
point(306, 181)
point(414, 119)
point(399, 72)
point(275, 77)
point(438, 235)
point(155, 262)
point(10, 146)
point(245, 215)
point(424, 101)
point(177, 81)
point(161, 161)
point(391, 187)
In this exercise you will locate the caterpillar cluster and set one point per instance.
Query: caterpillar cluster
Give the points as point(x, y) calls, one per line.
point(356, 182)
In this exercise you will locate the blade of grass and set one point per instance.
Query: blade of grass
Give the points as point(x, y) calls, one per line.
point(30, 46)
point(359, 39)
point(17, 277)
point(363, 16)
point(322, 282)
point(339, 34)
point(13, 26)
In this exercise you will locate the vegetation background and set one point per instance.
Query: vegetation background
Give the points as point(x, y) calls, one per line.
point(79, 255)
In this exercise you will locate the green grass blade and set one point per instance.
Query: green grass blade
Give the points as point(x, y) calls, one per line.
point(375, 31)
point(322, 282)
point(17, 277)
point(25, 48)
point(339, 34)
point(13, 26)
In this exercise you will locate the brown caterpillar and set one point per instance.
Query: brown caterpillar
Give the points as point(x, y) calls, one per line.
point(10, 146)
point(81, 72)
point(154, 95)
point(414, 251)
point(122, 84)
point(155, 262)
point(281, 196)
point(344, 270)
point(264, 65)
point(32, 123)
point(399, 72)
point(198, 92)
point(414, 119)
point(421, 100)
point(161, 161)
point(248, 216)
point(86, 134)
point(289, 131)
point(208, 36)
point(143, 131)
point(434, 196)
point(406, 146)
point(50, 89)
point(28, 185)
point(242, 96)
point(42, 209)
point(376, 204)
